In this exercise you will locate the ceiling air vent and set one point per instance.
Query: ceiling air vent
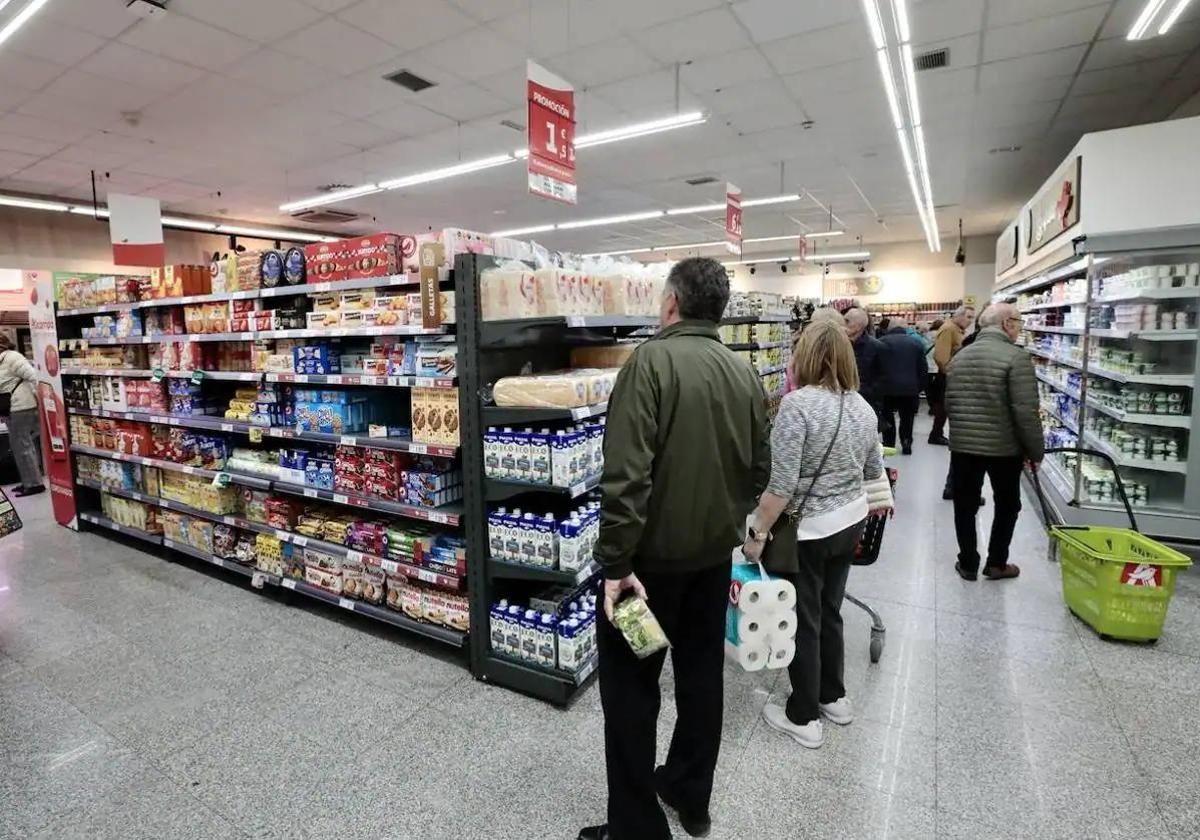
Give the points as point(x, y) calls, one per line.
point(931, 60)
point(701, 180)
point(409, 80)
point(513, 124)
point(324, 216)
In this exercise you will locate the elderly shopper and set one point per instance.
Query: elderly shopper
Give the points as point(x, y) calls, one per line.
point(948, 342)
point(992, 402)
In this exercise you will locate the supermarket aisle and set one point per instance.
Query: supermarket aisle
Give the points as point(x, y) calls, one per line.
point(141, 698)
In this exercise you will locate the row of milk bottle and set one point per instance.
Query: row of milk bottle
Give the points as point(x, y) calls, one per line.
point(546, 542)
point(542, 639)
point(555, 457)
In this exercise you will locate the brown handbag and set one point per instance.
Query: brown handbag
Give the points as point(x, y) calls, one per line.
point(779, 555)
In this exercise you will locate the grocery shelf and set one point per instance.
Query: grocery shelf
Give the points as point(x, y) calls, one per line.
point(758, 319)
point(770, 370)
point(217, 424)
point(500, 415)
point(1172, 421)
point(234, 477)
point(1056, 385)
point(1057, 330)
point(392, 567)
point(245, 294)
point(137, 373)
point(759, 345)
point(444, 515)
point(1134, 463)
point(104, 522)
point(268, 376)
point(1052, 305)
point(1171, 379)
point(523, 332)
point(552, 684)
point(523, 571)
point(255, 335)
point(1065, 421)
point(211, 559)
point(1147, 335)
point(1180, 293)
point(498, 489)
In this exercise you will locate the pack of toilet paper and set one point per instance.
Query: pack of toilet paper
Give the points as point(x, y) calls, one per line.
point(760, 622)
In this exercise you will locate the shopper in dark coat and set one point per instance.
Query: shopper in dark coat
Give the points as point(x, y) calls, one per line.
point(686, 454)
point(868, 352)
point(903, 372)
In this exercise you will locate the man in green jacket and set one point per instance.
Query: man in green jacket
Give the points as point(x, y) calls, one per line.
point(995, 428)
point(686, 454)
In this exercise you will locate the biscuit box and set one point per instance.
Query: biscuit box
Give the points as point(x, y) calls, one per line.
point(379, 255)
point(325, 261)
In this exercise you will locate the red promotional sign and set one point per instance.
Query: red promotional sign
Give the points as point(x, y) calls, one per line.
point(1140, 574)
point(135, 226)
point(733, 219)
point(551, 135)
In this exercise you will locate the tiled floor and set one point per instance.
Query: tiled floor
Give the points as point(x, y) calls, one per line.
point(147, 699)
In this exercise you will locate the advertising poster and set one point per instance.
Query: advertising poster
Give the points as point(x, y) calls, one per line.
point(733, 219)
point(551, 135)
point(39, 289)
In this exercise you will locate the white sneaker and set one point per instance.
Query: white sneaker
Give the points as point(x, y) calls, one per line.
point(839, 711)
point(811, 735)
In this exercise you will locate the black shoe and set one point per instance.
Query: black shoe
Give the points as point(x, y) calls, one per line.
point(939, 440)
point(594, 832)
point(948, 495)
point(696, 825)
point(964, 574)
point(32, 491)
point(906, 447)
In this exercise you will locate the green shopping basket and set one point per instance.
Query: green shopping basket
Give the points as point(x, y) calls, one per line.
point(1116, 580)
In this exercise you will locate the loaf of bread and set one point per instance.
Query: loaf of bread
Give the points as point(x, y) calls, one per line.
point(565, 389)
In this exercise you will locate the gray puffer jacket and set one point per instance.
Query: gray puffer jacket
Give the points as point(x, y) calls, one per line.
point(992, 399)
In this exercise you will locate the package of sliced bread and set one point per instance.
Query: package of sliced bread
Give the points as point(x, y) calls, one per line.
point(562, 389)
point(507, 292)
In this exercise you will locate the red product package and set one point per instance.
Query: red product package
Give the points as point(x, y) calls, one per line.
point(282, 513)
point(349, 482)
point(378, 255)
point(387, 472)
point(382, 487)
point(326, 261)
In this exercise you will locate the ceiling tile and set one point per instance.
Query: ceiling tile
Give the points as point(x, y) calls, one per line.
point(171, 191)
point(1015, 11)
point(1043, 34)
point(1126, 12)
point(641, 14)
point(84, 87)
point(36, 146)
point(843, 78)
point(59, 173)
point(1046, 90)
point(508, 86)
point(128, 182)
point(769, 20)
point(362, 94)
point(1113, 52)
point(278, 72)
point(407, 25)
point(740, 98)
point(336, 46)
point(487, 10)
point(689, 38)
point(944, 84)
point(1031, 69)
point(11, 162)
point(189, 41)
point(126, 64)
point(106, 18)
point(460, 102)
point(97, 158)
point(1147, 75)
point(652, 93)
point(557, 26)
point(83, 114)
point(811, 50)
point(940, 20)
point(11, 96)
point(328, 6)
point(27, 72)
point(473, 54)
point(261, 20)
point(26, 125)
point(747, 65)
point(610, 61)
point(409, 120)
point(51, 40)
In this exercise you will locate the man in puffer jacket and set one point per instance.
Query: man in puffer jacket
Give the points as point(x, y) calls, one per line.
point(992, 402)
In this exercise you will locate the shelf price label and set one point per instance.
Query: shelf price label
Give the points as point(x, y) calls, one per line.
point(550, 165)
point(346, 604)
point(288, 583)
point(308, 491)
point(256, 434)
point(157, 375)
point(221, 479)
point(197, 377)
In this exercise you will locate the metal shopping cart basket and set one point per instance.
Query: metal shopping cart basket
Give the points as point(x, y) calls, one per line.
point(866, 553)
point(1115, 580)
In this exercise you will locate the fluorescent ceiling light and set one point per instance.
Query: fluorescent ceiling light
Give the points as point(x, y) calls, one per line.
point(188, 224)
point(20, 18)
point(874, 23)
point(1170, 19)
point(823, 234)
point(271, 233)
point(330, 197)
point(900, 9)
point(524, 230)
point(775, 199)
point(599, 138)
point(770, 239)
point(910, 83)
point(96, 213)
point(610, 220)
point(447, 172)
point(889, 86)
point(33, 204)
point(619, 253)
point(1142, 23)
point(699, 208)
point(686, 247)
point(849, 256)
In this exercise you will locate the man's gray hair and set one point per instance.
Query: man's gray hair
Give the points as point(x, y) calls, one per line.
point(997, 314)
point(857, 316)
point(962, 310)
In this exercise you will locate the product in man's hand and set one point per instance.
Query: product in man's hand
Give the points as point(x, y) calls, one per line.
point(639, 627)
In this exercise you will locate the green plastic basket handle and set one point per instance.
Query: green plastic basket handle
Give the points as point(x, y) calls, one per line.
point(1037, 484)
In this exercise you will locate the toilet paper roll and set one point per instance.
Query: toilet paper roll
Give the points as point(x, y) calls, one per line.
point(781, 654)
point(753, 628)
point(782, 595)
point(781, 625)
point(748, 656)
point(756, 595)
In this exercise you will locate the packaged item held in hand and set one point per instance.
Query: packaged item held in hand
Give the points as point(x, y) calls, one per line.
point(639, 627)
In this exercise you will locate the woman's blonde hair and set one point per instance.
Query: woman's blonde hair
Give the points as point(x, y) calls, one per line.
point(824, 357)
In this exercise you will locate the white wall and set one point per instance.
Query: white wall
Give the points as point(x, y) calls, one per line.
point(908, 271)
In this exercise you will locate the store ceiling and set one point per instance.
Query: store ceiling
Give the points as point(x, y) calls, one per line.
point(229, 107)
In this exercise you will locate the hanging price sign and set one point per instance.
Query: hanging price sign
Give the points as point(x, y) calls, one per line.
point(733, 219)
point(551, 135)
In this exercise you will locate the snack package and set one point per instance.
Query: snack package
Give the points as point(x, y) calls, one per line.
point(639, 627)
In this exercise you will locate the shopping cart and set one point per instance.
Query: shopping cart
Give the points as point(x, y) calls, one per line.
point(1115, 580)
point(866, 553)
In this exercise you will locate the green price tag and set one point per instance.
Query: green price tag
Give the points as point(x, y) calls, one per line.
point(221, 479)
point(157, 374)
point(197, 377)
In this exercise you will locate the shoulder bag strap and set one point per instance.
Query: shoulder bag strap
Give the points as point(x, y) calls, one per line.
point(824, 458)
